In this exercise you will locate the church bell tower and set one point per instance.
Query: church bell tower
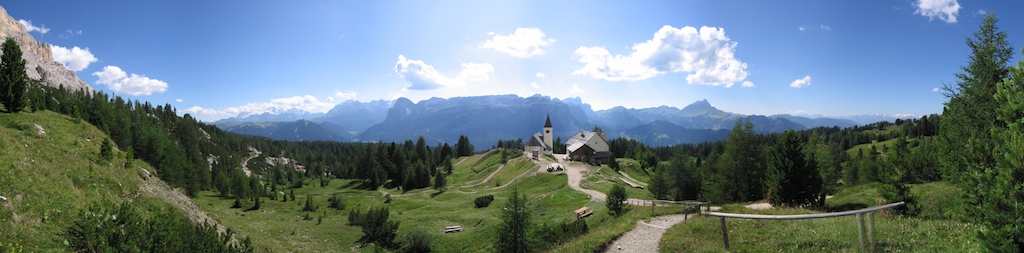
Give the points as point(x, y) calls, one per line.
point(548, 138)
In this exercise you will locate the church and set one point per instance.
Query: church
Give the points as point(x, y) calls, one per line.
point(539, 143)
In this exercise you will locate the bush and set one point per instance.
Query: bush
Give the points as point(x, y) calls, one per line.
point(562, 232)
point(415, 240)
point(483, 201)
point(337, 201)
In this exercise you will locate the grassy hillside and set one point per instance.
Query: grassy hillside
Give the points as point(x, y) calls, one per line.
point(50, 180)
point(933, 231)
point(280, 226)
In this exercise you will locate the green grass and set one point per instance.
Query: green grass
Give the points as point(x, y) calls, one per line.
point(604, 178)
point(279, 227)
point(892, 233)
point(57, 177)
point(633, 169)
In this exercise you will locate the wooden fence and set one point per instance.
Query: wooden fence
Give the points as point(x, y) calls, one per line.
point(863, 227)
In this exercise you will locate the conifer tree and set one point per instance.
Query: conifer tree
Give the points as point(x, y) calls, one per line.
point(13, 80)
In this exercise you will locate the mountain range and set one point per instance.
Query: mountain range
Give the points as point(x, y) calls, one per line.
point(487, 119)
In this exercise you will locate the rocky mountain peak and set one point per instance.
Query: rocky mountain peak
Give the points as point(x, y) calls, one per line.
point(39, 64)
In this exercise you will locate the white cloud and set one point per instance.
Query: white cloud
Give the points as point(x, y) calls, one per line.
point(748, 84)
point(70, 33)
point(946, 10)
point(346, 95)
point(982, 12)
point(535, 85)
point(802, 28)
point(541, 75)
point(75, 59)
point(936, 89)
point(304, 103)
point(424, 77)
point(802, 82)
point(134, 84)
point(110, 75)
point(179, 100)
point(575, 89)
point(31, 28)
point(199, 110)
point(707, 54)
point(826, 28)
point(523, 43)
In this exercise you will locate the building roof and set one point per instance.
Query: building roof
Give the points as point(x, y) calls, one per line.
point(537, 140)
point(575, 146)
point(547, 123)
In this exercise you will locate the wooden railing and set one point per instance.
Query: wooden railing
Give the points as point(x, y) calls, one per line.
point(863, 227)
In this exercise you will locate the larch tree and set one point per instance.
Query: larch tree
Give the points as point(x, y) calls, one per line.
point(971, 109)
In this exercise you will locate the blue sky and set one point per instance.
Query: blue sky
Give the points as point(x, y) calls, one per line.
point(216, 59)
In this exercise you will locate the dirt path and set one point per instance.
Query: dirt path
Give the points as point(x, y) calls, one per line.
point(488, 178)
point(646, 236)
point(574, 171)
point(253, 153)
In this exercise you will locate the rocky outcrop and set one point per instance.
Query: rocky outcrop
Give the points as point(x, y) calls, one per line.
point(39, 64)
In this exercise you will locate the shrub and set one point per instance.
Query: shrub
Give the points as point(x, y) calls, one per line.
point(113, 228)
point(337, 201)
point(483, 201)
point(416, 240)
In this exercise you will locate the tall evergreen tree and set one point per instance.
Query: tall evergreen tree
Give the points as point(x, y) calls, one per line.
point(739, 170)
point(970, 112)
point(515, 220)
point(13, 80)
point(791, 179)
point(1002, 197)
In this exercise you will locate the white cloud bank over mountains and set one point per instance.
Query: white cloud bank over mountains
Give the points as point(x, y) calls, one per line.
point(706, 54)
point(306, 103)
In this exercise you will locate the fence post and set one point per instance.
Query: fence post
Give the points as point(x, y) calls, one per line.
point(860, 230)
point(871, 232)
point(725, 234)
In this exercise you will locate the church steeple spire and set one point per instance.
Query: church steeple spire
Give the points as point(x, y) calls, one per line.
point(547, 123)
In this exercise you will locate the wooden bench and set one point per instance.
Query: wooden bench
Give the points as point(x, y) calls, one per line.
point(451, 229)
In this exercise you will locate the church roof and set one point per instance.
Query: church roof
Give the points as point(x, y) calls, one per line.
point(537, 140)
point(547, 123)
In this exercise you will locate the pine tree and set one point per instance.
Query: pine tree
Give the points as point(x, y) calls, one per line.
point(791, 179)
point(615, 200)
point(515, 220)
point(13, 80)
point(440, 181)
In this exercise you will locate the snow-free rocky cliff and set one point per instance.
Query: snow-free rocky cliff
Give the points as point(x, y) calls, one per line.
point(39, 64)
